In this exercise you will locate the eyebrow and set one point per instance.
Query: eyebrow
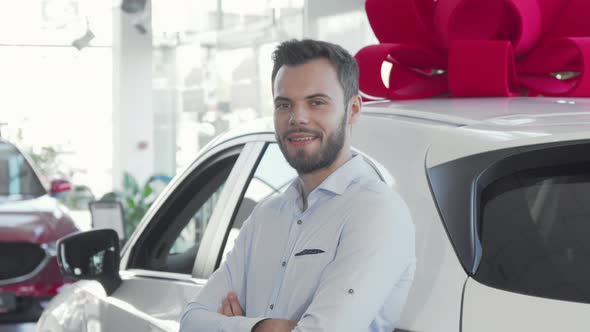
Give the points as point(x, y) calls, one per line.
point(316, 95)
point(280, 98)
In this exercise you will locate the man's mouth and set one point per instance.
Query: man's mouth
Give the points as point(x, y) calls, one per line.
point(300, 140)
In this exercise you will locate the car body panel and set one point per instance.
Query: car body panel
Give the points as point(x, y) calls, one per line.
point(435, 300)
point(472, 111)
point(404, 139)
point(489, 309)
point(38, 220)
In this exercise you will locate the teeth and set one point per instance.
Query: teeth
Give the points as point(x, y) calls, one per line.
point(302, 139)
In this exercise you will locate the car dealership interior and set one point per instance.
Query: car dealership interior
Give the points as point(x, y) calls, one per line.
point(141, 149)
point(108, 95)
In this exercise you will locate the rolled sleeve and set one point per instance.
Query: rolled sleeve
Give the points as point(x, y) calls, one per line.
point(375, 253)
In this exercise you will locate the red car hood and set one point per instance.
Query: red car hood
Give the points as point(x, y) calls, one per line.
point(36, 220)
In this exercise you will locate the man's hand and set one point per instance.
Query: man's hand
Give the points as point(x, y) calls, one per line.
point(231, 306)
point(275, 325)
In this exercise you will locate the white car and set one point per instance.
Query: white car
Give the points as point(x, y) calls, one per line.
point(499, 191)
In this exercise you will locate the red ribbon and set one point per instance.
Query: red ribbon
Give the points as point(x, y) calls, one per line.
point(474, 48)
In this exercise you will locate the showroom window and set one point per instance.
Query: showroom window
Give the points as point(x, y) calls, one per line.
point(212, 65)
point(534, 233)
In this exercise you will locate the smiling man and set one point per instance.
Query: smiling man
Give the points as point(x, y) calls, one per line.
point(335, 252)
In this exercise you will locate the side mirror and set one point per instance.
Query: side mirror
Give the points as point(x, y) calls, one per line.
point(60, 186)
point(91, 255)
point(108, 214)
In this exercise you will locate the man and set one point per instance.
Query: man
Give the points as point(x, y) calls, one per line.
point(335, 252)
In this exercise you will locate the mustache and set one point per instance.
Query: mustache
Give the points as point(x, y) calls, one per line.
point(301, 130)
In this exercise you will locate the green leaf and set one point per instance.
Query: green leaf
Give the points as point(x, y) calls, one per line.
point(147, 190)
point(130, 184)
point(130, 203)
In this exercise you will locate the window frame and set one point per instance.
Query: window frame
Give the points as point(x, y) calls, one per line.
point(215, 240)
point(157, 213)
point(497, 189)
point(457, 186)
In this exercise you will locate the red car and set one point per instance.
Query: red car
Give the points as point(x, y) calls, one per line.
point(31, 221)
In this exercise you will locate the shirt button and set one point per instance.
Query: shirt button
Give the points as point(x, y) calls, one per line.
point(284, 264)
point(351, 291)
point(272, 306)
point(299, 222)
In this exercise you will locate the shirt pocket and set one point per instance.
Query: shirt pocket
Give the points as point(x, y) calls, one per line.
point(310, 260)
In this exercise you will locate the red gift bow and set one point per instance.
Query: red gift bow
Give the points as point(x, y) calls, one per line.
point(476, 48)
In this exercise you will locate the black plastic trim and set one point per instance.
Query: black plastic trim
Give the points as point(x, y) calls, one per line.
point(457, 186)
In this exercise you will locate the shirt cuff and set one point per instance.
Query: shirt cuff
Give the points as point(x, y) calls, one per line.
point(247, 324)
point(257, 323)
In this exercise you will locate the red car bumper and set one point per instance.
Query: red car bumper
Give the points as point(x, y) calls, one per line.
point(27, 298)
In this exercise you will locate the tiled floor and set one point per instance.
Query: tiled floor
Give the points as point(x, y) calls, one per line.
point(25, 327)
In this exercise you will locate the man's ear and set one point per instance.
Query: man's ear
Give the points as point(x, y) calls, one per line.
point(355, 109)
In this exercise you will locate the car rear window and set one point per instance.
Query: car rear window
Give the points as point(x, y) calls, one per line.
point(17, 178)
point(534, 230)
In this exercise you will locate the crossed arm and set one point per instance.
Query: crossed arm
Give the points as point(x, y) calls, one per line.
point(231, 307)
point(229, 279)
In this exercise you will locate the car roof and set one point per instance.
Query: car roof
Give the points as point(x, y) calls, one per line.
point(459, 127)
point(499, 111)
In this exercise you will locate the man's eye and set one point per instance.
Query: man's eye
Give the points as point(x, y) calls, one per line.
point(283, 106)
point(317, 102)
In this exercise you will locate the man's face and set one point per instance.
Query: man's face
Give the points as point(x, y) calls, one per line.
point(310, 115)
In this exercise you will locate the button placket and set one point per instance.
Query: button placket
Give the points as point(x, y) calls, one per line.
point(294, 234)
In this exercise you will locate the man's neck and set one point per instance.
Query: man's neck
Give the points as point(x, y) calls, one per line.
point(312, 180)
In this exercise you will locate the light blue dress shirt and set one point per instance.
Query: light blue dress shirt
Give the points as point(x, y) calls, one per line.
point(346, 263)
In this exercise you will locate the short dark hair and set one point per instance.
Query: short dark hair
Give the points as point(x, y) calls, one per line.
point(297, 52)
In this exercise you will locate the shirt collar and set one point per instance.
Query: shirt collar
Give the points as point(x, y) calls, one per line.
point(344, 176)
point(336, 183)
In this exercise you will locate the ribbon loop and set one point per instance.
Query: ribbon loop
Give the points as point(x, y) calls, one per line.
point(481, 68)
point(487, 48)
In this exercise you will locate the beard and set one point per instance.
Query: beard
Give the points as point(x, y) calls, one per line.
point(304, 162)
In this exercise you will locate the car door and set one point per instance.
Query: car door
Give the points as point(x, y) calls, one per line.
point(534, 227)
point(157, 265)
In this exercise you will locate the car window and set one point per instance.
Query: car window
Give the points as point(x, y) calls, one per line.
point(534, 233)
point(191, 235)
point(272, 175)
point(174, 238)
point(17, 178)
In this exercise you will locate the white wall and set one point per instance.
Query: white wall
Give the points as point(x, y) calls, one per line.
point(133, 115)
point(343, 22)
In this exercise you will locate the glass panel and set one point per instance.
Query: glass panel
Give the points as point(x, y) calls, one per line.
point(183, 226)
point(192, 233)
point(17, 178)
point(273, 175)
point(534, 230)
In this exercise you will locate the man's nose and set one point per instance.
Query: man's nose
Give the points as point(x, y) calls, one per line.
point(299, 115)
